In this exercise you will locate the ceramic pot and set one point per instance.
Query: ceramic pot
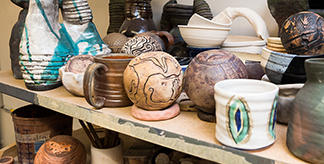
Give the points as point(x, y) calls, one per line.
point(6, 160)
point(153, 80)
point(282, 68)
point(305, 135)
point(112, 155)
point(61, 149)
point(205, 70)
point(106, 77)
point(254, 69)
point(245, 113)
point(138, 18)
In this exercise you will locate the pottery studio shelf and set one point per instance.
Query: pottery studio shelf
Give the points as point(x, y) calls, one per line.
point(185, 133)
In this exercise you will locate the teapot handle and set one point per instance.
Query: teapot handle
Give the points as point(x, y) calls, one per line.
point(87, 85)
point(166, 37)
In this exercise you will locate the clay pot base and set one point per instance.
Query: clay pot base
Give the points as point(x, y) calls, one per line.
point(156, 115)
point(206, 116)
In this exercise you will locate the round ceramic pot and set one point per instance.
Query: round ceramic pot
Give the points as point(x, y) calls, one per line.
point(112, 155)
point(245, 113)
point(305, 133)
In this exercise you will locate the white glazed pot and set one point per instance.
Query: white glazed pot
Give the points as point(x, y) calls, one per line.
point(245, 113)
point(112, 155)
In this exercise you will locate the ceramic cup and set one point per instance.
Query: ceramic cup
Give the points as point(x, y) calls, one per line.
point(245, 113)
point(106, 76)
point(112, 155)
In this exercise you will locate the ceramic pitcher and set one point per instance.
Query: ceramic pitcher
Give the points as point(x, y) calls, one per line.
point(104, 78)
point(305, 132)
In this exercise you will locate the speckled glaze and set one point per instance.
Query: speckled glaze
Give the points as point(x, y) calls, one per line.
point(305, 133)
point(205, 70)
point(153, 80)
point(61, 149)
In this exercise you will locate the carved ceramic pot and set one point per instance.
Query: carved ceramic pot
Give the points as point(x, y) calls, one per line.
point(153, 80)
point(303, 34)
point(61, 149)
point(205, 70)
point(143, 43)
point(305, 133)
point(115, 41)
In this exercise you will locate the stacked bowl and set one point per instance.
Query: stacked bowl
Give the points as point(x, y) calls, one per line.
point(202, 32)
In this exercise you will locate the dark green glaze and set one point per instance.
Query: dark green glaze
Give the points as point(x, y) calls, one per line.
point(305, 135)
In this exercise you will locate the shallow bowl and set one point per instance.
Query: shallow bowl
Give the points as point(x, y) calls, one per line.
point(197, 36)
point(223, 21)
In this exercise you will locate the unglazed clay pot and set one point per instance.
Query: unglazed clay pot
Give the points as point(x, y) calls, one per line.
point(205, 70)
point(302, 34)
point(305, 133)
point(61, 149)
point(153, 80)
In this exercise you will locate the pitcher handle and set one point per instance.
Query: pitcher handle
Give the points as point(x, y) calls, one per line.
point(87, 85)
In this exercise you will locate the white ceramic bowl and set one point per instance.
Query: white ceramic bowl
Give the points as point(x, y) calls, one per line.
point(245, 113)
point(223, 21)
point(72, 82)
point(196, 36)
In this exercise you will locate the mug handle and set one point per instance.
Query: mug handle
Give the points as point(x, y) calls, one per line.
point(87, 85)
point(166, 37)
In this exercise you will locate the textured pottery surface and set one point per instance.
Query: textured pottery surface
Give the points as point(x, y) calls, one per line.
point(287, 93)
point(205, 70)
point(15, 37)
point(33, 126)
point(138, 18)
point(245, 113)
point(115, 41)
point(175, 14)
point(104, 79)
point(156, 115)
point(282, 68)
point(116, 15)
point(278, 9)
point(303, 34)
point(140, 44)
point(61, 149)
point(153, 80)
point(166, 37)
point(112, 155)
point(305, 135)
point(45, 40)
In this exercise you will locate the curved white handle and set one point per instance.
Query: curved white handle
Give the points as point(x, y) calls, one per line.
point(254, 18)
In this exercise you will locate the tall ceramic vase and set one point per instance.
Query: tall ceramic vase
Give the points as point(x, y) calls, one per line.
point(305, 135)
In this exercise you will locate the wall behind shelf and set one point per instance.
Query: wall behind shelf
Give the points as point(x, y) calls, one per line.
point(9, 15)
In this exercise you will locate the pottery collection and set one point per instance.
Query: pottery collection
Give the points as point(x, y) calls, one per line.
point(246, 113)
point(304, 133)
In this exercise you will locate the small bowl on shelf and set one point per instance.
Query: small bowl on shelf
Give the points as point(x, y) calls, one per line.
point(199, 36)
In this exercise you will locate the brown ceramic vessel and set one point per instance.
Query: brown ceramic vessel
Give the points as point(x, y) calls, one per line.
point(106, 77)
point(205, 70)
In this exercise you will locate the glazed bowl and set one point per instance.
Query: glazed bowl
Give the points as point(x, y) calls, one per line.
point(283, 68)
point(223, 21)
point(245, 113)
point(198, 36)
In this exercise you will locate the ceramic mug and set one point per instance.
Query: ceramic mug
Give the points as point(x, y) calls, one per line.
point(112, 155)
point(245, 113)
point(108, 87)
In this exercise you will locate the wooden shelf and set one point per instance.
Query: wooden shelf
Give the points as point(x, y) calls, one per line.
point(185, 133)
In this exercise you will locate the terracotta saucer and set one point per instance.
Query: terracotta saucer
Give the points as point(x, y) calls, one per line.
point(155, 115)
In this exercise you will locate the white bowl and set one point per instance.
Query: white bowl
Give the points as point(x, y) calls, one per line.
point(223, 21)
point(196, 36)
point(72, 82)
